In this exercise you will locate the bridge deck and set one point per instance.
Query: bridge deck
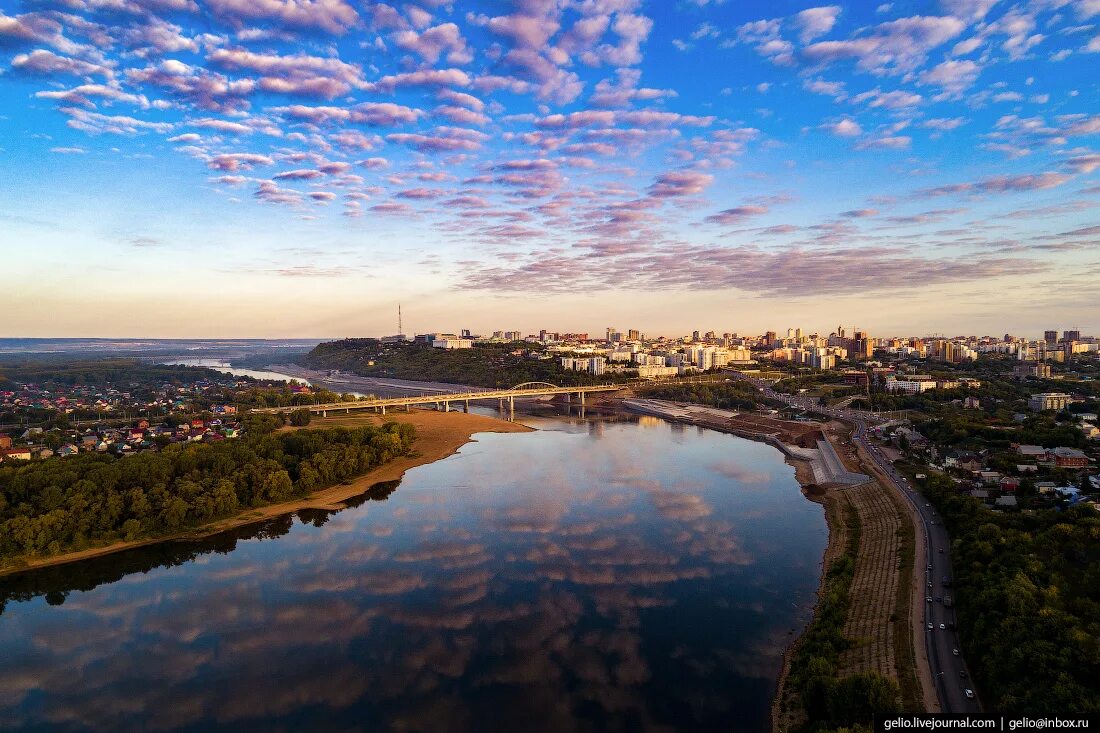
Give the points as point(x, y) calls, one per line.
point(445, 397)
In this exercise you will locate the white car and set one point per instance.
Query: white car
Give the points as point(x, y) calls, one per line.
point(930, 626)
point(969, 693)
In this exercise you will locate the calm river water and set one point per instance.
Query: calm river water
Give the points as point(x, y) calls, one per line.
point(596, 575)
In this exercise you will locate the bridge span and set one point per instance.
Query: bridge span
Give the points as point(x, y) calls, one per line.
point(444, 400)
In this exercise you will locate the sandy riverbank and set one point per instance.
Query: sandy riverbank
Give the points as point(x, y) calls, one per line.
point(438, 435)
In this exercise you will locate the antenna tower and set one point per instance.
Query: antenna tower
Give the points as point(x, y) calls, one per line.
point(400, 328)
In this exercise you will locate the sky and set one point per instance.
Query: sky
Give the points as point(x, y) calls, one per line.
point(298, 168)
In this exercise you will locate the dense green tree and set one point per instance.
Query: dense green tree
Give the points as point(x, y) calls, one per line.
point(51, 506)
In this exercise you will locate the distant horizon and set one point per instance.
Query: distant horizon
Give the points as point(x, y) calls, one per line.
point(593, 335)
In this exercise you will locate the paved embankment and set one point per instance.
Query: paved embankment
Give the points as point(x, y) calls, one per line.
point(828, 469)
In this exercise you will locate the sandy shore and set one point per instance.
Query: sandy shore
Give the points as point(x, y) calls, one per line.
point(438, 435)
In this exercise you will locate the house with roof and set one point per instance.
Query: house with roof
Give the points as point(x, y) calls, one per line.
point(1037, 452)
point(1009, 483)
point(15, 454)
point(1069, 458)
point(1005, 502)
point(68, 450)
point(989, 478)
point(5, 441)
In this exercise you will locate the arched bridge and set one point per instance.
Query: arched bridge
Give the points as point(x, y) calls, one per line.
point(444, 400)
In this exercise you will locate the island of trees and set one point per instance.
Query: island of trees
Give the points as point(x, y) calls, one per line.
point(49, 507)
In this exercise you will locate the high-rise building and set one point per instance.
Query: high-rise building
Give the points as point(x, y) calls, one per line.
point(633, 334)
point(863, 345)
point(1051, 337)
point(1071, 335)
point(695, 336)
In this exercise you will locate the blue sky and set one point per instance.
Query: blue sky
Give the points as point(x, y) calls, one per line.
point(298, 167)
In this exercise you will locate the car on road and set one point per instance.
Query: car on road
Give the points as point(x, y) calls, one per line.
point(963, 674)
point(969, 693)
point(930, 626)
point(929, 567)
point(939, 550)
point(943, 627)
point(929, 599)
point(955, 652)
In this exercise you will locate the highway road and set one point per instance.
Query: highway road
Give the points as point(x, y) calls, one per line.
point(954, 689)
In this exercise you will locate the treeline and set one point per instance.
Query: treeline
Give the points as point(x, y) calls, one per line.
point(832, 702)
point(485, 365)
point(1028, 602)
point(724, 395)
point(47, 507)
point(119, 373)
point(963, 431)
point(263, 396)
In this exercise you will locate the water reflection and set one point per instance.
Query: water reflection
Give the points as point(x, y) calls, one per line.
point(554, 580)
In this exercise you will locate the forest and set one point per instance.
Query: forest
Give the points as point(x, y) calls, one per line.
point(723, 395)
point(1028, 602)
point(485, 365)
point(48, 507)
point(119, 373)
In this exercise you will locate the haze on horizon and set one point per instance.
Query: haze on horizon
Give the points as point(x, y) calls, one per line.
point(226, 168)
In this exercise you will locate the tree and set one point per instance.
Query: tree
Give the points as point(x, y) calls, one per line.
point(300, 418)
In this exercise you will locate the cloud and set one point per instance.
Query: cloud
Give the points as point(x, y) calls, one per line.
point(954, 77)
point(434, 42)
point(816, 22)
point(890, 48)
point(372, 114)
point(238, 161)
point(96, 123)
point(885, 142)
point(1000, 184)
point(331, 16)
point(47, 63)
point(843, 128)
point(794, 272)
point(737, 214)
point(678, 184)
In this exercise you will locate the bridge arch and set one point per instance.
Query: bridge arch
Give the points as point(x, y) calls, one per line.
point(532, 385)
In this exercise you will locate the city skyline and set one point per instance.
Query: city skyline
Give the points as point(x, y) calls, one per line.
point(217, 168)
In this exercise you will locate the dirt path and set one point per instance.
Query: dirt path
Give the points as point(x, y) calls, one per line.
point(438, 435)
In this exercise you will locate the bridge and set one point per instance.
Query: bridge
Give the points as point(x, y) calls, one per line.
point(444, 400)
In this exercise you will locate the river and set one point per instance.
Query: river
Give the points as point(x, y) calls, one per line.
point(224, 366)
point(601, 574)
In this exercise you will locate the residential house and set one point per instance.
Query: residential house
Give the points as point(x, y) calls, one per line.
point(5, 441)
point(989, 478)
point(1069, 458)
point(20, 454)
point(1009, 483)
point(1037, 452)
point(1005, 502)
point(68, 450)
point(969, 462)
